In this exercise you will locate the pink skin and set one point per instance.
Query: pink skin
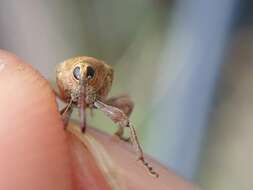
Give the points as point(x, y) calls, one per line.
point(36, 153)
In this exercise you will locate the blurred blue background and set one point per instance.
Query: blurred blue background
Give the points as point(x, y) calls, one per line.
point(187, 64)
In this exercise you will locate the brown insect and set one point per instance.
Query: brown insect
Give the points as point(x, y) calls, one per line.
point(84, 82)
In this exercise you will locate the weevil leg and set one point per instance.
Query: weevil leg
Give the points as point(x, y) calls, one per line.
point(66, 113)
point(120, 118)
point(124, 103)
point(58, 95)
point(120, 133)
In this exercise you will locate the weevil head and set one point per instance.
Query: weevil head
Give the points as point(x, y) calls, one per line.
point(97, 75)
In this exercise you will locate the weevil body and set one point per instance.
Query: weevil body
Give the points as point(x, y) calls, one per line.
point(85, 82)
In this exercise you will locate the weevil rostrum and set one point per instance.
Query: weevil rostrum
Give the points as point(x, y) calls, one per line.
point(84, 82)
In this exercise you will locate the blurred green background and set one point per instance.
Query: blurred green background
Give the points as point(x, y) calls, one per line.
point(187, 64)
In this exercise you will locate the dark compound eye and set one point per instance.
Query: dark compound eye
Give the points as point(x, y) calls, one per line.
point(90, 72)
point(77, 73)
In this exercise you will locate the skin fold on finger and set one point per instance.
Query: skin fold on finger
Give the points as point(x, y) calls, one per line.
point(36, 153)
point(117, 162)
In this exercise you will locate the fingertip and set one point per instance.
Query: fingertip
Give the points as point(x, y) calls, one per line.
point(25, 94)
point(8, 57)
point(31, 135)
